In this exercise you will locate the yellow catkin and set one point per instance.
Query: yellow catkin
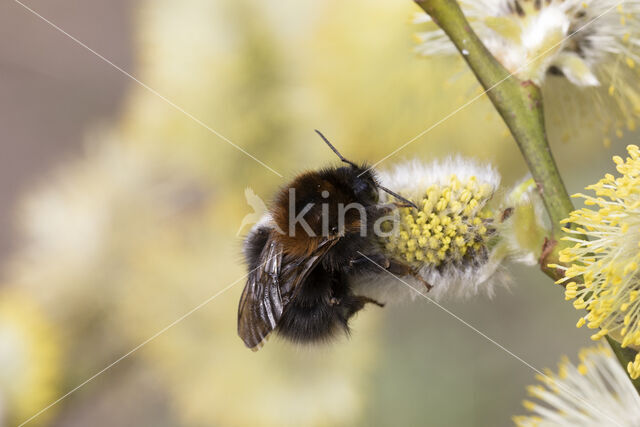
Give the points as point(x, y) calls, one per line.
point(452, 225)
point(603, 275)
point(633, 368)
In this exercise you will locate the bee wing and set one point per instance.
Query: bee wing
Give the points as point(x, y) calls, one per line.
point(269, 288)
point(261, 301)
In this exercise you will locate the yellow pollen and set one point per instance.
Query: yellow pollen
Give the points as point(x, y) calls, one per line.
point(453, 224)
point(630, 62)
point(582, 369)
point(607, 261)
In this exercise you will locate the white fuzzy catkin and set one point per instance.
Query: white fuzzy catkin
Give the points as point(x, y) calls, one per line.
point(451, 240)
point(596, 392)
point(582, 53)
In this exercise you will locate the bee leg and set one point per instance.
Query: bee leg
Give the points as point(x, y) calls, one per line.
point(387, 208)
point(396, 205)
point(393, 266)
point(378, 259)
point(354, 303)
point(403, 205)
point(367, 300)
point(402, 269)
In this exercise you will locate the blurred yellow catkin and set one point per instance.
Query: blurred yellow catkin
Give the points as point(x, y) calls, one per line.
point(141, 228)
point(582, 53)
point(30, 359)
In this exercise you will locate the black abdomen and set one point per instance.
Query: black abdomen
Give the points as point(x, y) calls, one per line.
point(320, 309)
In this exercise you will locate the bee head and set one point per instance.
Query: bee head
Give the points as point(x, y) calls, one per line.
point(364, 181)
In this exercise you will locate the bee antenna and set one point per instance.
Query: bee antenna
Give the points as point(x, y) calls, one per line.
point(335, 150)
point(399, 197)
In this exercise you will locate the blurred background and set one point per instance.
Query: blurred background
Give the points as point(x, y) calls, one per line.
point(120, 214)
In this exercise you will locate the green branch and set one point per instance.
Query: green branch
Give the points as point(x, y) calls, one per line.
point(520, 105)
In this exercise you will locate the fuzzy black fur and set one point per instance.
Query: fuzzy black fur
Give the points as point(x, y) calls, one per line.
point(325, 192)
point(321, 306)
point(253, 246)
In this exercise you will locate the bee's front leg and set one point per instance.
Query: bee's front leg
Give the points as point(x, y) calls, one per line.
point(374, 262)
point(365, 262)
point(387, 208)
point(399, 268)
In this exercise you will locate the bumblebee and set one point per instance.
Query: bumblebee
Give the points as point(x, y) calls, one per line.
point(317, 235)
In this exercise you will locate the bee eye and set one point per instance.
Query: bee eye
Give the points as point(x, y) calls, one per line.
point(372, 191)
point(366, 189)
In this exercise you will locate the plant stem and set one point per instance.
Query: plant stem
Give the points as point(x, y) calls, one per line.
point(520, 105)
